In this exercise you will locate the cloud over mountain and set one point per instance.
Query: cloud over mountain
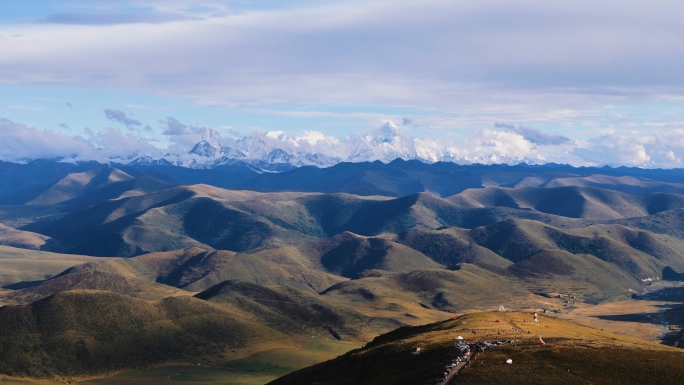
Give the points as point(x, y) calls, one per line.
point(534, 135)
point(203, 146)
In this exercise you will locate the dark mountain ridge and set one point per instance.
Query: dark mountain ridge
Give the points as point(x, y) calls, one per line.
point(397, 178)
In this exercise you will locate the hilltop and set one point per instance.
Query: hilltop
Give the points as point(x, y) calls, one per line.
point(571, 354)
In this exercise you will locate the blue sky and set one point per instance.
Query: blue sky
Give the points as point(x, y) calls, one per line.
point(488, 74)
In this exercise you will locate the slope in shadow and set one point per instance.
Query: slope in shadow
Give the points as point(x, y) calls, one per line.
point(354, 256)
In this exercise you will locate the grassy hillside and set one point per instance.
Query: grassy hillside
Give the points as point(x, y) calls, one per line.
point(417, 294)
point(291, 311)
point(452, 246)
point(597, 261)
point(92, 280)
point(572, 354)
point(135, 221)
point(159, 275)
point(80, 332)
point(166, 220)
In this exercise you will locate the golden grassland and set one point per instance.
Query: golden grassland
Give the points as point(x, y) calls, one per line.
point(594, 316)
point(22, 265)
point(572, 353)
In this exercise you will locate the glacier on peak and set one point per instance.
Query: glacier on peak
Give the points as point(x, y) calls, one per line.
point(204, 149)
point(385, 144)
point(386, 133)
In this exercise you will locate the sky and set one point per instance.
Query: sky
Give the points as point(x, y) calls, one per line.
point(581, 82)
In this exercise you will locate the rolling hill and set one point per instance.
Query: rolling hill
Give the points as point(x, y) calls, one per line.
point(571, 202)
point(140, 215)
point(165, 220)
point(88, 332)
point(571, 354)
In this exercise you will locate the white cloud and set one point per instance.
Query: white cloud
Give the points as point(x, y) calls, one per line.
point(431, 53)
point(535, 135)
point(614, 149)
point(20, 142)
point(490, 146)
point(657, 149)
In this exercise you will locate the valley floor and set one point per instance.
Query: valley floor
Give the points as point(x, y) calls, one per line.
point(657, 316)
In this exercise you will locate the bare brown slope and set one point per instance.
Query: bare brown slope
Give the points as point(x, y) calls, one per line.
point(117, 190)
point(28, 240)
point(88, 332)
point(76, 184)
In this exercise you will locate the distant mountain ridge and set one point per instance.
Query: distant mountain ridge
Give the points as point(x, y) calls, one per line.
point(21, 183)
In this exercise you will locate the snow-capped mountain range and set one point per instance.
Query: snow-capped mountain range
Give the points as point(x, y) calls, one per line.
point(384, 144)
